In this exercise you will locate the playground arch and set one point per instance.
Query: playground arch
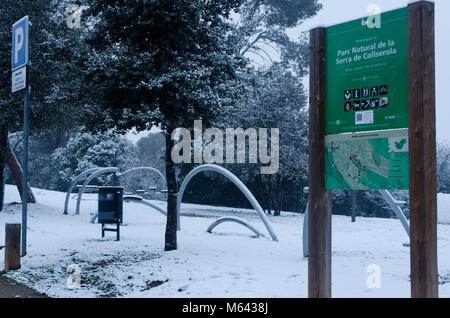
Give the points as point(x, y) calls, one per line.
point(231, 219)
point(95, 172)
point(237, 182)
point(73, 184)
point(89, 179)
point(144, 169)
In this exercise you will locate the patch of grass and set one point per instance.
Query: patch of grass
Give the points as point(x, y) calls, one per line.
point(39, 295)
point(13, 203)
point(444, 279)
point(153, 283)
point(103, 262)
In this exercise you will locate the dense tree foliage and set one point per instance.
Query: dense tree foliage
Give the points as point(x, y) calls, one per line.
point(163, 63)
point(85, 151)
point(443, 167)
point(54, 74)
point(262, 26)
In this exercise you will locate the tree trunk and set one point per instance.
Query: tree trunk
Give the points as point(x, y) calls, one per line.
point(279, 189)
point(17, 173)
point(260, 192)
point(269, 195)
point(171, 226)
point(283, 183)
point(280, 194)
point(3, 143)
point(59, 135)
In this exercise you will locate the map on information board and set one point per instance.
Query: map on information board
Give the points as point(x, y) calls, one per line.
point(369, 160)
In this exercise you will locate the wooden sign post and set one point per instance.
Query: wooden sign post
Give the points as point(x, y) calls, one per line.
point(399, 114)
point(422, 150)
point(319, 217)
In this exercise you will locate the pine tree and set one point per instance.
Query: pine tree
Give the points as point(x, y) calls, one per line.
point(262, 31)
point(278, 101)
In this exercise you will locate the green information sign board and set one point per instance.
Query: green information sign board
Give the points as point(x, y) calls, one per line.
point(366, 90)
point(366, 76)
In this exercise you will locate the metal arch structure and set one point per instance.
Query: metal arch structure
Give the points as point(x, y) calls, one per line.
point(393, 204)
point(73, 184)
point(95, 172)
point(230, 176)
point(89, 179)
point(234, 220)
point(163, 180)
point(136, 199)
point(305, 231)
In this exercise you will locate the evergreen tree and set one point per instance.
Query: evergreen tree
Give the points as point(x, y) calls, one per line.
point(53, 74)
point(163, 63)
point(262, 31)
point(278, 100)
point(85, 151)
point(443, 168)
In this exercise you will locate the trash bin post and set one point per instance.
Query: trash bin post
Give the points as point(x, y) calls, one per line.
point(110, 208)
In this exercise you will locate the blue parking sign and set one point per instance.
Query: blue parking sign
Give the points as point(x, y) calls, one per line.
point(20, 43)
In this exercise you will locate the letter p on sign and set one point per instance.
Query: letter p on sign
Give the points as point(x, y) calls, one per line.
point(18, 44)
point(20, 40)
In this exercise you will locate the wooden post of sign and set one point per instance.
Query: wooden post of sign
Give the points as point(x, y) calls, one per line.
point(422, 150)
point(12, 247)
point(319, 218)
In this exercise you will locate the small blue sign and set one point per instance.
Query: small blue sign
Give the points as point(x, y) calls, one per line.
point(20, 43)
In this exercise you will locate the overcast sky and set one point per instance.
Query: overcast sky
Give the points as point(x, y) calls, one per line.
point(337, 11)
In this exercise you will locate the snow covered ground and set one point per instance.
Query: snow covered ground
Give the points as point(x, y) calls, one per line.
point(228, 263)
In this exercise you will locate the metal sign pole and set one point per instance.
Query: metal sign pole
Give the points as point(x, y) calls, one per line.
point(115, 165)
point(25, 172)
point(19, 66)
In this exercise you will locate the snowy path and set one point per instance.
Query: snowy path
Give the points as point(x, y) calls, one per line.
point(228, 263)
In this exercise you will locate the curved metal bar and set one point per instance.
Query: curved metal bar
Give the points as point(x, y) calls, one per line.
point(230, 176)
point(305, 231)
point(88, 180)
point(393, 204)
point(234, 220)
point(144, 168)
point(134, 199)
point(94, 218)
point(73, 184)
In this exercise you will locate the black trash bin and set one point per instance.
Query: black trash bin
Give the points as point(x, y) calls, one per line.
point(110, 208)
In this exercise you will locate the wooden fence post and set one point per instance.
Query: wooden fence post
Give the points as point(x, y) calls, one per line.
point(319, 218)
point(422, 150)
